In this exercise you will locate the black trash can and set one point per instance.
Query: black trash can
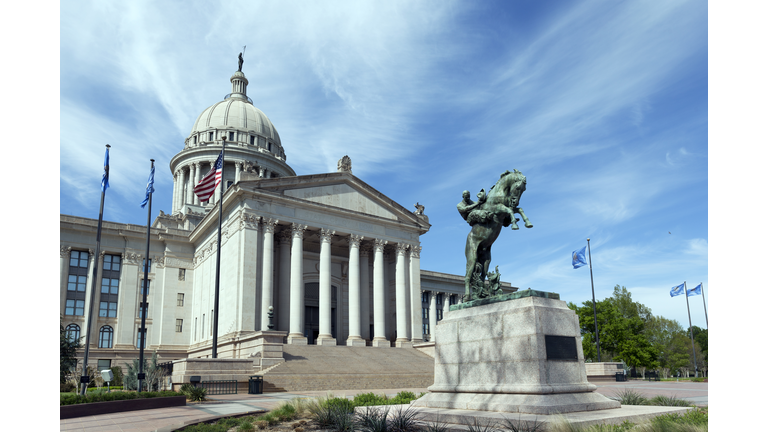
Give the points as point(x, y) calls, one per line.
point(620, 376)
point(255, 384)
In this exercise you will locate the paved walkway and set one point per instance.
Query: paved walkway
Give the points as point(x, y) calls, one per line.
point(170, 419)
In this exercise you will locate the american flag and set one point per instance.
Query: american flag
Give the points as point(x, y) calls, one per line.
point(207, 186)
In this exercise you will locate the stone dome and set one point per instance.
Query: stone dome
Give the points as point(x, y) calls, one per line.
point(236, 116)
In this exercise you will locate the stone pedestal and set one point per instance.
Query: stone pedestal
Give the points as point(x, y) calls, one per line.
point(325, 341)
point(268, 348)
point(209, 369)
point(355, 341)
point(518, 353)
point(380, 343)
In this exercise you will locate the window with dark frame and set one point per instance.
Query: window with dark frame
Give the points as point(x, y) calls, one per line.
point(180, 299)
point(72, 332)
point(110, 284)
point(145, 287)
point(141, 338)
point(231, 136)
point(210, 136)
point(104, 364)
point(253, 140)
point(143, 264)
point(77, 279)
point(179, 324)
point(143, 307)
point(105, 337)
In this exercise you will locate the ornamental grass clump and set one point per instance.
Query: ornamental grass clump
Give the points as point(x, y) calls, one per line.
point(521, 425)
point(478, 425)
point(630, 397)
point(669, 401)
point(403, 420)
point(371, 419)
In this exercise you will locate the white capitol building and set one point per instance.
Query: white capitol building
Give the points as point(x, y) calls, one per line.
point(336, 259)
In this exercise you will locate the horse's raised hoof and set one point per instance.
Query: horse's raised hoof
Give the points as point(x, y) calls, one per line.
point(515, 227)
point(529, 225)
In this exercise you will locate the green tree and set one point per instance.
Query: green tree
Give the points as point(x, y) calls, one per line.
point(621, 325)
point(67, 353)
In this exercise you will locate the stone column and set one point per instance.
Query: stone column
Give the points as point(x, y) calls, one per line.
point(267, 270)
point(400, 294)
point(284, 281)
point(175, 194)
point(191, 185)
point(197, 180)
point(296, 335)
point(324, 336)
point(446, 303)
point(417, 334)
point(379, 323)
point(354, 338)
point(365, 292)
point(432, 315)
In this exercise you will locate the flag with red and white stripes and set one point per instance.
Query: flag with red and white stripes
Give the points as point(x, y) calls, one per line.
point(208, 184)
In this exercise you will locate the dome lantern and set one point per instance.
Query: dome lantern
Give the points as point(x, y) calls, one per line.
point(239, 86)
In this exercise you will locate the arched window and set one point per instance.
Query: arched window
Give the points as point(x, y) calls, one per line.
point(73, 332)
point(105, 337)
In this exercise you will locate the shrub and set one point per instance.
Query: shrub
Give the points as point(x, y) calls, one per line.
point(340, 403)
point(480, 426)
point(403, 420)
point(197, 394)
point(66, 387)
point(369, 399)
point(668, 401)
point(72, 399)
point(521, 425)
point(631, 397)
point(246, 427)
point(372, 419)
point(261, 424)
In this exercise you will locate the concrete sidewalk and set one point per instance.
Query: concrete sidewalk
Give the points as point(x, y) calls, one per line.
point(170, 419)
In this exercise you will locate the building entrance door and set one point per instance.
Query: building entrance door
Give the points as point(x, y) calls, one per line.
point(312, 312)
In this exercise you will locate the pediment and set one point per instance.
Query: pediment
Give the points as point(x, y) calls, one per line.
point(343, 191)
point(342, 196)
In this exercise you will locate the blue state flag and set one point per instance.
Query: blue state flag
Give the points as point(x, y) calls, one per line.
point(105, 176)
point(676, 291)
point(150, 186)
point(695, 291)
point(579, 260)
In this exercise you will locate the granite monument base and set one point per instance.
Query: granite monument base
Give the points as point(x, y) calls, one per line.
point(517, 353)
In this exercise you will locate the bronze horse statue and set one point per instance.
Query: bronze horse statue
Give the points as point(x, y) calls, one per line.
point(487, 216)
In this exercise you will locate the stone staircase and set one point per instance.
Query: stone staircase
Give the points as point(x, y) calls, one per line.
point(312, 367)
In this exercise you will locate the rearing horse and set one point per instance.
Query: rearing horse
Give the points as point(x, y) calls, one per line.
point(487, 218)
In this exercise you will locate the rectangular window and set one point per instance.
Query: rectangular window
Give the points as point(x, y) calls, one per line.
point(74, 307)
point(439, 314)
point(112, 262)
point(143, 307)
point(145, 288)
point(104, 364)
point(439, 299)
point(108, 309)
point(231, 136)
point(269, 146)
point(179, 324)
point(210, 136)
point(76, 283)
point(194, 141)
point(109, 285)
point(180, 299)
point(253, 140)
point(141, 338)
point(143, 264)
point(425, 328)
point(425, 313)
point(182, 274)
point(77, 279)
point(425, 297)
point(452, 300)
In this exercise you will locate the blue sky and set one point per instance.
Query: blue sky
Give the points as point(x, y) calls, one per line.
point(602, 105)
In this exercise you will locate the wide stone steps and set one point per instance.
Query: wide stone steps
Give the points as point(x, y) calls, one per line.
point(311, 367)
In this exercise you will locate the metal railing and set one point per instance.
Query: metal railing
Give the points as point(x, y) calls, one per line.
point(220, 387)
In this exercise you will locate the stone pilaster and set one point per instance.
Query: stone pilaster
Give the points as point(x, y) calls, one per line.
point(284, 281)
point(417, 334)
point(365, 291)
point(432, 315)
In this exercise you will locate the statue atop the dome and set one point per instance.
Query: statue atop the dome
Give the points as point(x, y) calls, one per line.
point(344, 165)
point(240, 62)
point(419, 208)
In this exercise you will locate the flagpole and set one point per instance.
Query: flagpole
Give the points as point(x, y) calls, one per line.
point(214, 351)
point(690, 328)
point(143, 306)
point(85, 378)
point(705, 305)
point(594, 305)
